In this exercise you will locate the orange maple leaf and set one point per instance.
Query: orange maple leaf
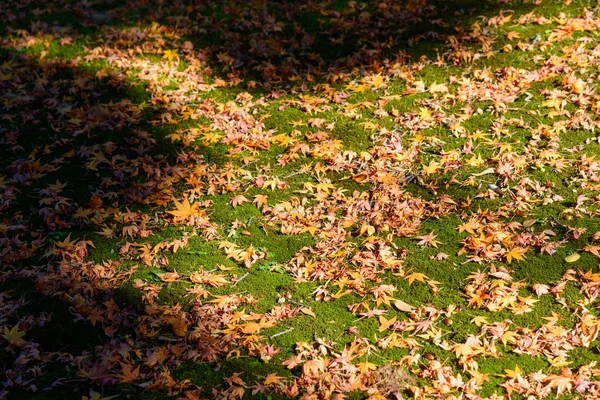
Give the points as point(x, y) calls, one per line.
point(185, 210)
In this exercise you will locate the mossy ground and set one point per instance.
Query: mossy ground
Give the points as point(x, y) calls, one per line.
point(268, 282)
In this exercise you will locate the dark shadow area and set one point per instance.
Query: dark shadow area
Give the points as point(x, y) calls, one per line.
point(76, 150)
point(271, 42)
point(69, 142)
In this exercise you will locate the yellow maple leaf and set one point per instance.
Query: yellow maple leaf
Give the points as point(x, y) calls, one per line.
point(209, 138)
point(475, 161)
point(431, 168)
point(170, 55)
point(386, 323)
point(509, 337)
point(478, 377)
point(515, 253)
point(359, 88)
point(513, 373)
point(479, 320)
point(14, 336)
point(416, 276)
point(553, 103)
point(424, 113)
point(559, 362)
point(377, 81)
point(282, 140)
point(370, 126)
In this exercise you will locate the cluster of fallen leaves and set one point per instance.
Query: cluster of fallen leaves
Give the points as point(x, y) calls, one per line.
point(81, 160)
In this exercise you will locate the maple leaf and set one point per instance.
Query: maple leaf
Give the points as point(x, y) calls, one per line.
point(540, 289)
point(513, 35)
point(416, 276)
point(128, 373)
point(559, 361)
point(184, 210)
point(424, 113)
point(560, 383)
point(316, 122)
point(238, 200)
point(207, 278)
point(260, 200)
point(209, 138)
point(377, 81)
point(595, 250)
point(272, 379)
point(475, 161)
point(432, 168)
point(479, 377)
point(313, 368)
point(180, 325)
point(170, 55)
point(169, 276)
point(283, 140)
point(509, 337)
point(428, 240)
point(513, 373)
point(554, 103)
point(479, 320)
point(370, 126)
point(515, 253)
point(324, 187)
point(386, 323)
point(14, 336)
point(438, 88)
point(57, 187)
point(469, 227)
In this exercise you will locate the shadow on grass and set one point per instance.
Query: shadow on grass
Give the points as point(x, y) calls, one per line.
point(70, 143)
point(272, 41)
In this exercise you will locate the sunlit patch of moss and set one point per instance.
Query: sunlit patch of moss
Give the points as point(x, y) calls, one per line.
point(496, 367)
point(354, 137)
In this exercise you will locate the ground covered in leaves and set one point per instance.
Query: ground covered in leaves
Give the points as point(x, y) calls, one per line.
point(299, 199)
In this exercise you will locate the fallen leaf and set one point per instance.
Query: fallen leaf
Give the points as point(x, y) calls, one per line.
point(402, 306)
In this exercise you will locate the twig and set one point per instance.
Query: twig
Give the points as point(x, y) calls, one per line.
point(167, 339)
point(281, 333)
point(567, 227)
point(295, 303)
point(409, 178)
point(241, 278)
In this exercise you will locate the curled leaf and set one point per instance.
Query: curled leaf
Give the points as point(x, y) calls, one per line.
point(572, 258)
point(402, 306)
point(308, 311)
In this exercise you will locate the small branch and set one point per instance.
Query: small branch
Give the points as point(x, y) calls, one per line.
point(167, 339)
point(241, 278)
point(281, 333)
point(295, 303)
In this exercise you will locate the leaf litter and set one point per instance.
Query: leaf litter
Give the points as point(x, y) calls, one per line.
point(139, 128)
